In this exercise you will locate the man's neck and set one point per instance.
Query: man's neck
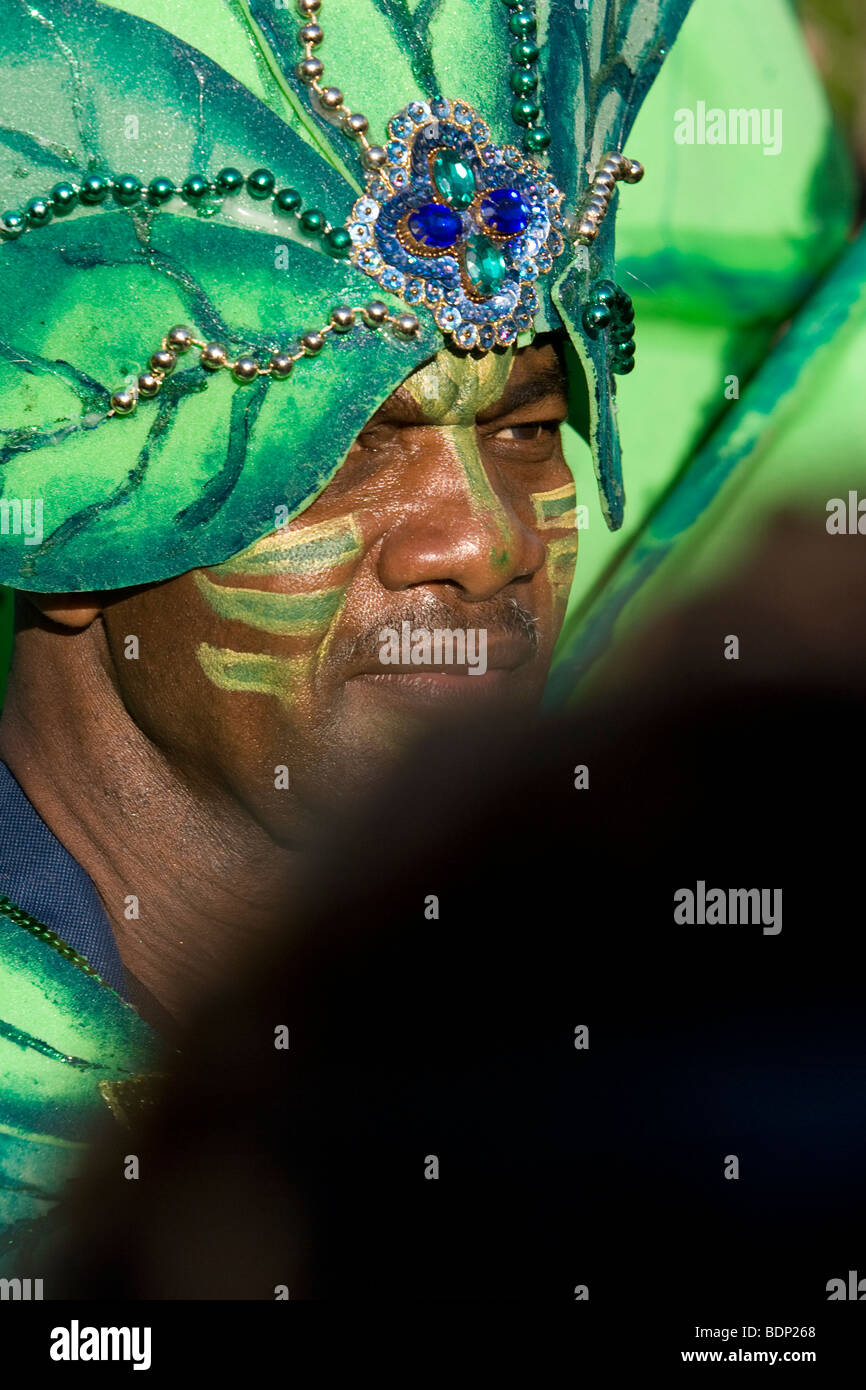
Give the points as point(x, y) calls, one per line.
point(187, 877)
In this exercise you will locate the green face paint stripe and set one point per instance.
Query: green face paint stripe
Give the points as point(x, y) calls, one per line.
point(453, 390)
point(556, 508)
point(251, 673)
point(313, 548)
point(561, 562)
point(283, 615)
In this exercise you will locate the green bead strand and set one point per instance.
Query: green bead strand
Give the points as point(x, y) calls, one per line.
point(525, 109)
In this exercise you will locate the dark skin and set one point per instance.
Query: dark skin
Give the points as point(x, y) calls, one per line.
point(271, 661)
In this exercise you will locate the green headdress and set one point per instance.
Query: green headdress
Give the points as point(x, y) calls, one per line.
point(309, 249)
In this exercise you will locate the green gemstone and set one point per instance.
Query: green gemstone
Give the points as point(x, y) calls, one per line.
point(127, 190)
point(524, 53)
point(338, 242)
point(13, 223)
point(486, 266)
point(195, 187)
point(38, 212)
point(261, 183)
point(523, 80)
point(312, 220)
point(64, 197)
point(159, 190)
point(95, 189)
point(229, 181)
point(538, 139)
point(454, 178)
point(522, 23)
point(524, 111)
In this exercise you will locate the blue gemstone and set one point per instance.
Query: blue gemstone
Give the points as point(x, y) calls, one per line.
point(505, 212)
point(436, 226)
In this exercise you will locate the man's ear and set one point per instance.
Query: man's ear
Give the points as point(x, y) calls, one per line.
point(76, 611)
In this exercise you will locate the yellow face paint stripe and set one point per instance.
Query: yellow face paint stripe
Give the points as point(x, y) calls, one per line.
point(253, 673)
point(556, 509)
point(561, 562)
point(282, 614)
point(305, 551)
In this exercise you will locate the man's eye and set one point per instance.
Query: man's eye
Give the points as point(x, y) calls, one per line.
point(532, 433)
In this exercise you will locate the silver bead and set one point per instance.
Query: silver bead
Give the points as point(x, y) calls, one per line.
point(587, 229)
point(311, 34)
point(310, 70)
point(124, 402)
point(180, 337)
point(148, 384)
point(163, 362)
point(245, 369)
point(374, 157)
point(312, 343)
point(281, 365)
point(331, 97)
point(375, 313)
point(309, 6)
point(635, 171)
point(408, 324)
point(343, 318)
point(603, 180)
point(356, 123)
point(214, 356)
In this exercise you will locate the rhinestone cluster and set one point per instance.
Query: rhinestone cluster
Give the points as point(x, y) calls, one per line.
point(458, 224)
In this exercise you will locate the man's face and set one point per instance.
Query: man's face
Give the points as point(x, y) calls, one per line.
point(453, 511)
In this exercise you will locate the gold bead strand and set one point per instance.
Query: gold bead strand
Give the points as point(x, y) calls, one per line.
point(614, 166)
point(215, 356)
point(331, 100)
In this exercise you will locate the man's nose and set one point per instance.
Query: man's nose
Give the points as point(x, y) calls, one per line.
point(456, 527)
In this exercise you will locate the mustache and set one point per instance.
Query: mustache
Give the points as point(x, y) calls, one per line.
point(504, 617)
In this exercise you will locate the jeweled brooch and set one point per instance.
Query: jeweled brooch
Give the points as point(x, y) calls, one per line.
point(458, 224)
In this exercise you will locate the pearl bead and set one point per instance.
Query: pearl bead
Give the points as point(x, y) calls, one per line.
point(94, 189)
point(356, 124)
point(260, 183)
point(148, 384)
point(127, 190)
point(332, 98)
point(38, 212)
point(312, 343)
point(311, 34)
point(245, 369)
point(281, 365)
point(635, 171)
point(408, 324)
point(64, 197)
point(180, 337)
point(163, 361)
point(123, 402)
point(375, 313)
point(312, 221)
point(338, 242)
point(13, 223)
point(195, 187)
point(310, 70)
point(374, 157)
point(288, 200)
point(214, 356)
point(159, 190)
point(229, 181)
point(343, 318)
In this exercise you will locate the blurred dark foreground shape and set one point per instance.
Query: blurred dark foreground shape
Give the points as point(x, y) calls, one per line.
point(423, 1043)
